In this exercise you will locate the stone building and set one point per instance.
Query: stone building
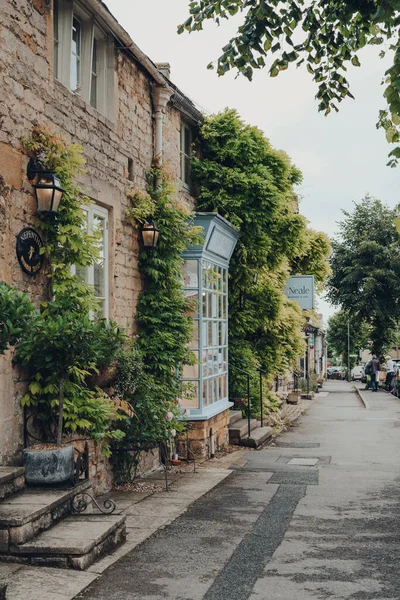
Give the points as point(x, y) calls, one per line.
point(70, 65)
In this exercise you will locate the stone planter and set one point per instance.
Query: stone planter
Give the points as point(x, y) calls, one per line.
point(50, 466)
point(294, 397)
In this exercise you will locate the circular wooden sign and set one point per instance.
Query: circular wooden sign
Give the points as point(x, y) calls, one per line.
point(29, 244)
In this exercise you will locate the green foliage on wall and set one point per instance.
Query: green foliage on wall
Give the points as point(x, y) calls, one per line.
point(63, 347)
point(16, 313)
point(243, 178)
point(164, 323)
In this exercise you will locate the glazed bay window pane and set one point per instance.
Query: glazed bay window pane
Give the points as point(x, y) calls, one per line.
point(190, 395)
point(194, 342)
point(190, 274)
point(75, 72)
point(211, 320)
point(191, 371)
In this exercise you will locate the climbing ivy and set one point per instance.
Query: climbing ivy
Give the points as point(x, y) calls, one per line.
point(63, 347)
point(243, 178)
point(163, 313)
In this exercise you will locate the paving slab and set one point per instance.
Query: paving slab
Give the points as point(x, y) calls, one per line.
point(44, 583)
point(305, 462)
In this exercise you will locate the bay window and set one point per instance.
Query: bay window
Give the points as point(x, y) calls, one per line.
point(205, 284)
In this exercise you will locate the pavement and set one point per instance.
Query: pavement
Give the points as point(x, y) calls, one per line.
point(316, 516)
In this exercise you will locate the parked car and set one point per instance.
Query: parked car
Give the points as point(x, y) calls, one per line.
point(335, 372)
point(357, 372)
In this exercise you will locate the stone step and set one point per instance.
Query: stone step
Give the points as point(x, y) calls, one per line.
point(12, 479)
point(74, 543)
point(258, 437)
point(240, 429)
point(234, 416)
point(31, 511)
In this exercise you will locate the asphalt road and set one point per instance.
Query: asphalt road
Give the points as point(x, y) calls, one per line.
point(315, 517)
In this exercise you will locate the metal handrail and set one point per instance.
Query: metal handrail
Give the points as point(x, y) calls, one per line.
point(248, 396)
point(261, 371)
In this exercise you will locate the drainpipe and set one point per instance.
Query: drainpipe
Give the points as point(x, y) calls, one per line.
point(161, 97)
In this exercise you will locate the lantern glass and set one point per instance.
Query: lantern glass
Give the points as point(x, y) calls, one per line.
point(150, 235)
point(48, 193)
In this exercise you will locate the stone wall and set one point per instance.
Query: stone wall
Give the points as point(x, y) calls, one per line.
point(199, 436)
point(29, 94)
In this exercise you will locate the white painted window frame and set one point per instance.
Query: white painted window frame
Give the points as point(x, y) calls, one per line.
point(92, 210)
point(90, 30)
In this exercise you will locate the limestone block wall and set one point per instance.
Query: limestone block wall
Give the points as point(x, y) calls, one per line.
point(199, 435)
point(30, 94)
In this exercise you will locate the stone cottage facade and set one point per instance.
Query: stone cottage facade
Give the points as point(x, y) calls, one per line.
point(70, 66)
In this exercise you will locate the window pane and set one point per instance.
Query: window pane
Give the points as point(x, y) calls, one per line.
point(209, 363)
point(190, 395)
point(82, 273)
point(99, 265)
point(214, 300)
point(209, 304)
point(194, 342)
point(187, 137)
point(192, 303)
point(204, 358)
point(55, 37)
point(191, 279)
point(187, 170)
point(204, 335)
point(191, 371)
point(205, 385)
point(93, 83)
point(75, 77)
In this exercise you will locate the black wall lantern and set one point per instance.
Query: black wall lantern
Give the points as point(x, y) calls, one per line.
point(150, 235)
point(47, 186)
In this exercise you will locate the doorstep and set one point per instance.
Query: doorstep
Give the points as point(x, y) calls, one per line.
point(145, 513)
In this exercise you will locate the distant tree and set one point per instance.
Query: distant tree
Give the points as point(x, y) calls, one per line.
point(365, 263)
point(325, 35)
point(337, 336)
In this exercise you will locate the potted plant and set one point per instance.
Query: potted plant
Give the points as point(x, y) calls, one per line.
point(62, 348)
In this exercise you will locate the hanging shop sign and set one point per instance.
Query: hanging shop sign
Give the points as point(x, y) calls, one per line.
point(29, 244)
point(300, 289)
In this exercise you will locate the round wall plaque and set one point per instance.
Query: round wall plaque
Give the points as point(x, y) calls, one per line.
point(29, 243)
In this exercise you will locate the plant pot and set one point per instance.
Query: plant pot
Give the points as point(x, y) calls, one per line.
point(294, 397)
point(50, 466)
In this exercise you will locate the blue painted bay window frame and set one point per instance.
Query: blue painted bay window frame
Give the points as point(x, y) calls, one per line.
point(206, 289)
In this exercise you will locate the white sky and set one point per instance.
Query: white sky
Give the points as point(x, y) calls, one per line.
point(342, 156)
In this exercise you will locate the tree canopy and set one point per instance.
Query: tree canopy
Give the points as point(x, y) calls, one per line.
point(340, 325)
point(365, 263)
point(324, 35)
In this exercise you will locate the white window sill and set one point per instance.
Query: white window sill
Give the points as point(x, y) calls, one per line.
point(196, 414)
